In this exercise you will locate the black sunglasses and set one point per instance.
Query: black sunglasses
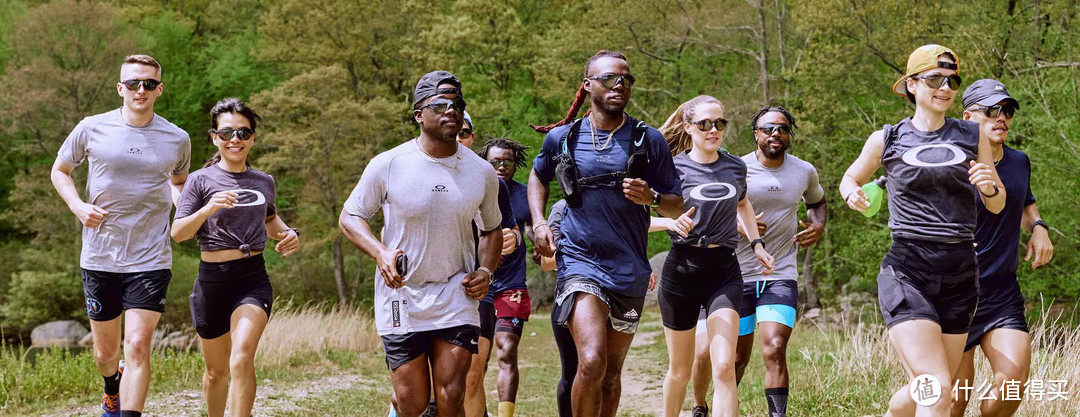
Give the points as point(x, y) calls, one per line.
point(228, 133)
point(996, 110)
point(706, 125)
point(464, 133)
point(611, 80)
point(771, 128)
point(935, 80)
point(444, 105)
point(148, 84)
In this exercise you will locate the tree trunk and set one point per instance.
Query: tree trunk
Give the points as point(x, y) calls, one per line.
point(763, 54)
point(813, 300)
point(339, 269)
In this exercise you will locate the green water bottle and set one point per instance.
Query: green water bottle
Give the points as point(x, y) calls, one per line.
point(875, 192)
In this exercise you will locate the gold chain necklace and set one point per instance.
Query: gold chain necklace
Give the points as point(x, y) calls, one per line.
point(421, 148)
point(596, 142)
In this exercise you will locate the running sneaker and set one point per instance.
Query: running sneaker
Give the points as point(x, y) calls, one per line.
point(700, 411)
point(110, 404)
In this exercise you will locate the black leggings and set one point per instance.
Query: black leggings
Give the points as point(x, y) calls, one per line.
point(568, 355)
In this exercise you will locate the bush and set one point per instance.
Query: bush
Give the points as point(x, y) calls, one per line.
point(36, 297)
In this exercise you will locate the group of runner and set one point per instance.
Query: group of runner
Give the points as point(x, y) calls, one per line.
point(451, 255)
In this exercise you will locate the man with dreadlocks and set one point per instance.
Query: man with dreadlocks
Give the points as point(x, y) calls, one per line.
point(508, 291)
point(611, 169)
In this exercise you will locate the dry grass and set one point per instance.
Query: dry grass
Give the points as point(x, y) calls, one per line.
point(862, 358)
point(315, 328)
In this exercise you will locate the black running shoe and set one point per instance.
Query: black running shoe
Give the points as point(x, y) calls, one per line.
point(700, 411)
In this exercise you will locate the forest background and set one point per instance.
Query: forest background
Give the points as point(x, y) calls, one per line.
point(333, 81)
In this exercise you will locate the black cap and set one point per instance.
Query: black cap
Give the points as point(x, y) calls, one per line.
point(987, 92)
point(428, 86)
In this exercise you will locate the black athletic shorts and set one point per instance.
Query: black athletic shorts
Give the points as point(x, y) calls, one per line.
point(108, 294)
point(510, 325)
point(403, 348)
point(487, 320)
point(935, 281)
point(696, 277)
point(1003, 310)
point(222, 287)
point(624, 311)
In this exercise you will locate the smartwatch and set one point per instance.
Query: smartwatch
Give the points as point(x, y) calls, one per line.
point(1040, 223)
point(656, 198)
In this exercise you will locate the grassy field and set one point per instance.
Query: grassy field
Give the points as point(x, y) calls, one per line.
point(838, 369)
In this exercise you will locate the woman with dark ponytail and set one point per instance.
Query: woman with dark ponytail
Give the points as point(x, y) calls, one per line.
point(229, 207)
point(702, 270)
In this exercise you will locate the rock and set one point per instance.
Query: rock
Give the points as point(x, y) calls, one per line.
point(87, 341)
point(64, 333)
point(657, 265)
point(174, 340)
point(813, 313)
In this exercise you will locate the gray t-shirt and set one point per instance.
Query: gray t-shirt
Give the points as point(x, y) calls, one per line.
point(128, 176)
point(930, 197)
point(242, 227)
point(428, 208)
point(715, 189)
point(777, 192)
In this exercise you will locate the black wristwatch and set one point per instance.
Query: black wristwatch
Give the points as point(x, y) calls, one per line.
point(1040, 223)
point(294, 230)
point(758, 241)
point(656, 198)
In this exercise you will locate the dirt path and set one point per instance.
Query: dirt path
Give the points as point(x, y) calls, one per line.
point(271, 398)
point(642, 390)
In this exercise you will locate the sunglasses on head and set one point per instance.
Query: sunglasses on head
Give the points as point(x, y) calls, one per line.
point(148, 84)
point(996, 110)
point(935, 80)
point(706, 125)
point(228, 133)
point(770, 129)
point(611, 80)
point(444, 105)
point(499, 163)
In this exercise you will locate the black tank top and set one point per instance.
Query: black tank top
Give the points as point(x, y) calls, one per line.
point(930, 197)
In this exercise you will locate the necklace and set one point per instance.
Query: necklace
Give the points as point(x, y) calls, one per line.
point(596, 142)
point(457, 160)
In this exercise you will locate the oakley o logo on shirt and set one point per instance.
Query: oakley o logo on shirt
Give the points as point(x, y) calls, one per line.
point(259, 198)
point(911, 156)
point(698, 193)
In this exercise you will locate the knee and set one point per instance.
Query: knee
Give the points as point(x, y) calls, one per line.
point(241, 363)
point(679, 374)
point(591, 366)
point(774, 350)
point(103, 355)
point(137, 348)
point(702, 354)
point(723, 369)
point(508, 359)
point(454, 389)
point(216, 375)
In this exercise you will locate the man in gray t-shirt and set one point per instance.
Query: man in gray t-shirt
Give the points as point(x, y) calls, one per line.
point(138, 163)
point(428, 190)
point(775, 184)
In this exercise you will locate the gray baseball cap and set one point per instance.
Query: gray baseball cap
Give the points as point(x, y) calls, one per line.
point(428, 86)
point(987, 92)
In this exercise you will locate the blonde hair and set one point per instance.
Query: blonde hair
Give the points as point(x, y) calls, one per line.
point(678, 140)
